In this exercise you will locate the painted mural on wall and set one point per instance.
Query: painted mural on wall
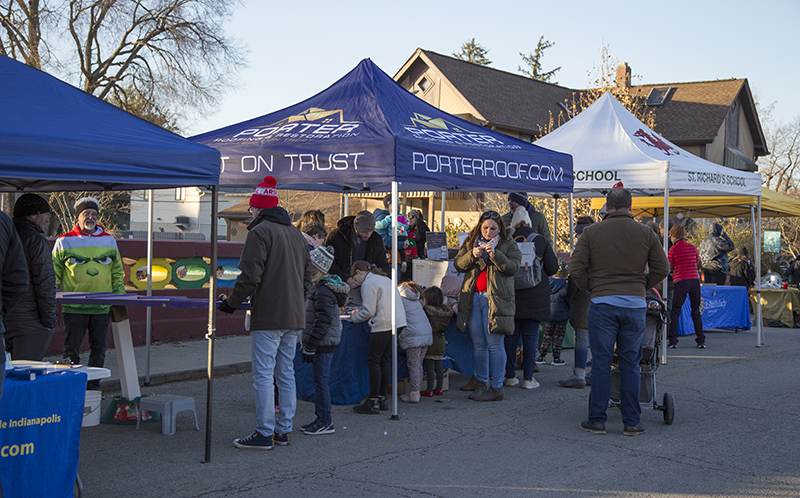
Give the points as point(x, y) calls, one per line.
point(180, 273)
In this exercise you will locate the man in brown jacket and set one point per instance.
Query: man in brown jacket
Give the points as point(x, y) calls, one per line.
point(624, 259)
point(276, 271)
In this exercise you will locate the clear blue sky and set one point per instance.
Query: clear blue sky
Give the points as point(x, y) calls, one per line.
point(299, 48)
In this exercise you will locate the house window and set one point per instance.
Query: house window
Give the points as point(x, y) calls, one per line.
point(424, 84)
point(180, 194)
point(525, 137)
point(657, 95)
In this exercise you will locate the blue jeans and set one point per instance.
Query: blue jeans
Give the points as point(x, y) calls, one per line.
point(581, 347)
point(489, 349)
point(528, 330)
point(273, 353)
point(624, 326)
point(322, 394)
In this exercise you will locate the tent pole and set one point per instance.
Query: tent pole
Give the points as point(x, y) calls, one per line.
point(395, 258)
point(148, 316)
point(444, 196)
point(760, 327)
point(665, 295)
point(212, 320)
point(571, 224)
point(555, 225)
point(346, 206)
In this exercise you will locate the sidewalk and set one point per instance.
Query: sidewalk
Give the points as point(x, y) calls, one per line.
point(179, 360)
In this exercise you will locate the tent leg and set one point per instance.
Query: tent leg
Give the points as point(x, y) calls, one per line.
point(665, 296)
point(444, 197)
point(148, 315)
point(395, 280)
point(212, 321)
point(571, 224)
point(760, 340)
point(555, 225)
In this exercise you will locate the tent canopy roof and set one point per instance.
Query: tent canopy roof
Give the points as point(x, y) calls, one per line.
point(55, 137)
point(366, 131)
point(773, 205)
point(609, 144)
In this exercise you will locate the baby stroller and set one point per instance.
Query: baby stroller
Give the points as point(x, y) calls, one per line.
point(651, 359)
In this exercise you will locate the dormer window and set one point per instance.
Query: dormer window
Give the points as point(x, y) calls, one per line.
point(424, 84)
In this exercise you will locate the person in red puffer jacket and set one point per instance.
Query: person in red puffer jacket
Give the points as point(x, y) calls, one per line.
point(683, 258)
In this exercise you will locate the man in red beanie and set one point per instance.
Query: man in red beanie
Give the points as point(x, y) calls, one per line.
point(276, 271)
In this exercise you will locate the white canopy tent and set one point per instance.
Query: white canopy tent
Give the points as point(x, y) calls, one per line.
point(609, 145)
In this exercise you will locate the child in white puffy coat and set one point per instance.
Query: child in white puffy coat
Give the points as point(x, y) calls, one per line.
point(415, 338)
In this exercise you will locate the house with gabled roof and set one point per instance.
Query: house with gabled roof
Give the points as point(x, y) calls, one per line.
point(715, 120)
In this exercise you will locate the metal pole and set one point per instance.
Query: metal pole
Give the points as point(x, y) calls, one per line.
point(665, 296)
point(444, 197)
point(571, 224)
point(761, 340)
point(395, 257)
point(555, 225)
point(148, 313)
point(212, 320)
point(346, 209)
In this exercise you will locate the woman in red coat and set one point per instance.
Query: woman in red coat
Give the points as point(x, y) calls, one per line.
point(683, 258)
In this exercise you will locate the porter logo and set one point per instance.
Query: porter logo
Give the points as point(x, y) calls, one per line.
point(442, 131)
point(312, 124)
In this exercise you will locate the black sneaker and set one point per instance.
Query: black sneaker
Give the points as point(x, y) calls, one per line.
point(254, 441)
point(701, 346)
point(369, 407)
point(673, 346)
point(633, 430)
point(319, 428)
point(304, 427)
point(281, 439)
point(593, 427)
point(384, 405)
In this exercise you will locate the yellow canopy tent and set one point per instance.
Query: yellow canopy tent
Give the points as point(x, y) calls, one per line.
point(773, 205)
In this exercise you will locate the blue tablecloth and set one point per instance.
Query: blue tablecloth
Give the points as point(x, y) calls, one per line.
point(349, 382)
point(40, 432)
point(722, 306)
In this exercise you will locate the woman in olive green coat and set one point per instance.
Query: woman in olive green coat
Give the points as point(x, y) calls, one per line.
point(489, 260)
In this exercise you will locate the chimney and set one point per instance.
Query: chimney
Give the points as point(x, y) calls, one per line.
point(623, 76)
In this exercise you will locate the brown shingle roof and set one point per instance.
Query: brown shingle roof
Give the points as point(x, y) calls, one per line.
point(504, 99)
point(693, 112)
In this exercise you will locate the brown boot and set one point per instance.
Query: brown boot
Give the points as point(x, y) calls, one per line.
point(470, 386)
point(480, 388)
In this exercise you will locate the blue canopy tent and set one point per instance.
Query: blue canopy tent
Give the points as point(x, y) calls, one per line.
point(55, 137)
point(367, 133)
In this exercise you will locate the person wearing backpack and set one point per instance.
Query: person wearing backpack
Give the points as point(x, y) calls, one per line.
point(533, 307)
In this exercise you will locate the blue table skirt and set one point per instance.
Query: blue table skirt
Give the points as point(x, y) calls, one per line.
point(722, 306)
point(40, 433)
point(349, 382)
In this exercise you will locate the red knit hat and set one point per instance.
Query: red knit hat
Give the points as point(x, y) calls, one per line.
point(265, 195)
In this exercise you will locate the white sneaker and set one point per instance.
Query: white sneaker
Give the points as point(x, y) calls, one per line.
point(530, 384)
point(512, 381)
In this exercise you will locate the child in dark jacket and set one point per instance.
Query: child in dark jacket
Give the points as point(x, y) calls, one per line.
point(322, 334)
point(555, 329)
point(439, 315)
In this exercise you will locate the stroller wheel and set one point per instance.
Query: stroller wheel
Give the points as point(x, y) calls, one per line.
point(669, 409)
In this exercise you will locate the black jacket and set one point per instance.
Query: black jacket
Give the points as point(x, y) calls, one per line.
point(323, 330)
point(13, 267)
point(341, 238)
point(742, 272)
point(714, 250)
point(534, 303)
point(37, 308)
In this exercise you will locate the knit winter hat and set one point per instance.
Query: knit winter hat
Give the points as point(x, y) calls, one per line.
point(563, 269)
point(265, 195)
point(520, 217)
point(85, 203)
point(364, 222)
point(520, 198)
point(322, 258)
point(30, 204)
